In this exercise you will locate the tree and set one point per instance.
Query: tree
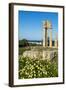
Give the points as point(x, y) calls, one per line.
point(23, 43)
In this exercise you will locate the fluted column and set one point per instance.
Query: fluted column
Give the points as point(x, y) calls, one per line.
point(50, 38)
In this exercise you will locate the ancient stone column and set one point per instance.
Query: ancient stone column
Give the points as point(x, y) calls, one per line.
point(50, 38)
point(46, 41)
point(43, 37)
point(56, 41)
point(46, 26)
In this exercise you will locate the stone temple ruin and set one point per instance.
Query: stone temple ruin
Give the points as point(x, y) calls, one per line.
point(50, 50)
point(47, 25)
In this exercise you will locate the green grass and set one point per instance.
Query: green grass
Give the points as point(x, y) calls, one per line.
point(38, 48)
point(35, 68)
point(22, 49)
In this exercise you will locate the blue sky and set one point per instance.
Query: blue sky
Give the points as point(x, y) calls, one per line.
point(30, 24)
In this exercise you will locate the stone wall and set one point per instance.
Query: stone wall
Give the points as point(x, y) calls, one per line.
point(39, 54)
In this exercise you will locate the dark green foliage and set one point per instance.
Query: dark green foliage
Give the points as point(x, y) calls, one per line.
point(34, 68)
point(23, 43)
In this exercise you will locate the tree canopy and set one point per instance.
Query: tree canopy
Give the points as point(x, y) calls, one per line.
point(23, 43)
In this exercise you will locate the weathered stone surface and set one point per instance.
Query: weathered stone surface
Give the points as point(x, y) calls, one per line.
point(48, 54)
point(39, 54)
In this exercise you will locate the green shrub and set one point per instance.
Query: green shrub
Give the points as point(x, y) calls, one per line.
point(35, 68)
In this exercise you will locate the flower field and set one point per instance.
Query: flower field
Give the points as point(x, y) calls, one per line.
point(35, 68)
